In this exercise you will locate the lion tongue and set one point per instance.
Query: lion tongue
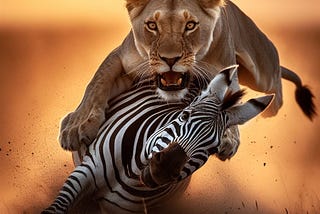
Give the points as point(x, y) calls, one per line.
point(171, 79)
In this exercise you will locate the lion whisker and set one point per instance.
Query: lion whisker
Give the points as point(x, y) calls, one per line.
point(201, 73)
point(140, 72)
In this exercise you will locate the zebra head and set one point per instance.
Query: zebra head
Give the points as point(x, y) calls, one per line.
point(185, 144)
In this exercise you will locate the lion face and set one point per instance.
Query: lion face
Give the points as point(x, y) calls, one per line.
point(173, 36)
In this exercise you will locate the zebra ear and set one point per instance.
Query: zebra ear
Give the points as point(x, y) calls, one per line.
point(221, 82)
point(238, 115)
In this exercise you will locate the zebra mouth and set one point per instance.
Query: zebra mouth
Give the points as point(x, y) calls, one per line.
point(165, 166)
point(147, 179)
point(172, 81)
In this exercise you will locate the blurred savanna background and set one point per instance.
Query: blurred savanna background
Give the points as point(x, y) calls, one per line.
point(49, 50)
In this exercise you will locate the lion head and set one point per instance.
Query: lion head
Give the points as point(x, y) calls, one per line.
point(173, 36)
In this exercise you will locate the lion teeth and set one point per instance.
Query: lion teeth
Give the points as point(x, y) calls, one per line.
point(179, 82)
point(163, 82)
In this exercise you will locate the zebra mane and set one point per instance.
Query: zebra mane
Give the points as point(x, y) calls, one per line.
point(230, 99)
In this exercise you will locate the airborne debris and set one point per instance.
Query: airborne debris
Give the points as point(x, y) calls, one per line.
point(287, 212)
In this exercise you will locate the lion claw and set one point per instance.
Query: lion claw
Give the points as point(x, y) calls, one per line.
point(80, 127)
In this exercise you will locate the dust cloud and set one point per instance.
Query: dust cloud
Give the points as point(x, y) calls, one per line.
point(45, 66)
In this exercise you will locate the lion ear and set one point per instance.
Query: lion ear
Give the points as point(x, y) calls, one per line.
point(135, 4)
point(209, 4)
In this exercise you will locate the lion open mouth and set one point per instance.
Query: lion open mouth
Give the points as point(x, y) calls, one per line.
point(172, 81)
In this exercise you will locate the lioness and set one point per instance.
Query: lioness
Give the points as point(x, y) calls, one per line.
point(175, 41)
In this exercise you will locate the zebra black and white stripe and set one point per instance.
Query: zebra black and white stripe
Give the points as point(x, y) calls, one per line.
point(112, 165)
point(114, 161)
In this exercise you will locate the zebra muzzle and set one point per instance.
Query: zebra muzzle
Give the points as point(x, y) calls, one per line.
point(165, 166)
point(147, 179)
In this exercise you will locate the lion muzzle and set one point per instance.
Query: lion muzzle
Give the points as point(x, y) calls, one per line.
point(172, 81)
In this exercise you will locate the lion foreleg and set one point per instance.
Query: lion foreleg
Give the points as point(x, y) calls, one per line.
point(82, 125)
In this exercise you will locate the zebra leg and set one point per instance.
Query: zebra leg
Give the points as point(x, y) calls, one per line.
point(81, 181)
point(229, 143)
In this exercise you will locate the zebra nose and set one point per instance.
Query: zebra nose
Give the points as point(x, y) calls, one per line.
point(171, 61)
point(146, 178)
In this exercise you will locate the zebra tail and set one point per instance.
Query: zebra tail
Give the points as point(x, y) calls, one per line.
point(303, 94)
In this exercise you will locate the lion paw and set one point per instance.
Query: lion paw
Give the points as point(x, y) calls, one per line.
point(229, 144)
point(80, 127)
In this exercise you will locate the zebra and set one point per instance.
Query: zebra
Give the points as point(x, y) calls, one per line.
point(147, 150)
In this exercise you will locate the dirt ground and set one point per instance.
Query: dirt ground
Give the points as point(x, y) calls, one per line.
point(45, 65)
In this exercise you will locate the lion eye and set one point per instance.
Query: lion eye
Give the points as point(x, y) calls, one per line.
point(191, 25)
point(151, 25)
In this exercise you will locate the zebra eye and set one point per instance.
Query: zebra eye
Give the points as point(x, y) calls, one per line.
point(185, 115)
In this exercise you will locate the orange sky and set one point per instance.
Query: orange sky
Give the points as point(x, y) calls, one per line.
point(49, 50)
point(37, 11)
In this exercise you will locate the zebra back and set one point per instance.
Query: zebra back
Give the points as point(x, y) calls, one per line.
point(117, 156)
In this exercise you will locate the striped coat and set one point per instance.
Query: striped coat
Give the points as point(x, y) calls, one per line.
point(111, 167)
point(147, 149)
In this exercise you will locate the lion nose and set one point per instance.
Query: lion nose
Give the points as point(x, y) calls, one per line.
point(171, 61)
